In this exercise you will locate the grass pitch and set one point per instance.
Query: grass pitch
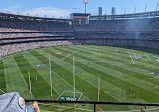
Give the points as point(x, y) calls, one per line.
point(114, 66)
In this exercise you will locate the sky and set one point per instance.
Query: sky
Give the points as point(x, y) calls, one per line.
point(63, 8)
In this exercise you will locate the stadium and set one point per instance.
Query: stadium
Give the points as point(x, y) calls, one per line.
point(88, 57)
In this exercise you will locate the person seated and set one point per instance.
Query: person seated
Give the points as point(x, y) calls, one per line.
point(13, 102)
point(33, 106)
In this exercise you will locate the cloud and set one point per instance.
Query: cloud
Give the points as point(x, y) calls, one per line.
point(48, 11)
point(40, 11)
point(12, 9)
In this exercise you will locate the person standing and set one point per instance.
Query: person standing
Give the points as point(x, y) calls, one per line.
point(63, 76)
point(145, 108)
point(36, 78)
point(154, 84)
point(129, 90)
point(137, 94)
point(141, 109)
point(131, 66)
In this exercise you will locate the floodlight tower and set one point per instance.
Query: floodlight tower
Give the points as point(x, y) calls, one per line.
point(85, 2)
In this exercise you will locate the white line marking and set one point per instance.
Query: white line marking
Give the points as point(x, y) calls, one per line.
point(60, 95)
point(66, 107)
point(148, 57)
point(36, 68)
point(69, 55)
point(131, 58)
point(80, 96)
point(73, 92)
point(2, 91)
point(157, 60)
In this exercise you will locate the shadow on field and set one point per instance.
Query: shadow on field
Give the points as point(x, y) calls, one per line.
point(148, 50)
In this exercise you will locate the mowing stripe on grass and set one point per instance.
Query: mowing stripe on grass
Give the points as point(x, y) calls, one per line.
point(83, 54)
point(94, 59)
point(46, 71)
point(144, 63)
point(56, 78)
point(15, 81)
point(123, 65)
point(68, 74)
point(150, 85)
point(40, 82)
point(54, 60)
point(92, 80)
point(96, 66)
point(2, 79)
point(43, 72)
point(83, 97)
point(103, 69)
point(79, 65)
point(67, 107)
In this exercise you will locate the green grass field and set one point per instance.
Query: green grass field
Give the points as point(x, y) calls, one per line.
point(110, 63)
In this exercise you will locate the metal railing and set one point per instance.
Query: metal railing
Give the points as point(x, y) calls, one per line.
point(96, 103)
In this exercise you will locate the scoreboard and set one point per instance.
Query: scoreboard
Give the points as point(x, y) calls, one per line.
point(80, 18)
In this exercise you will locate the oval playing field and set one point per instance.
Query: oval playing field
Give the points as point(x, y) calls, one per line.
point(123, 72)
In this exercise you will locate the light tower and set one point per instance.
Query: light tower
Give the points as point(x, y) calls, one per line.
point(85, 2)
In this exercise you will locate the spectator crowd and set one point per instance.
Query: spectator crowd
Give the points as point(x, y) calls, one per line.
point(18, 35)
point(134, 32)
point(14, 48)
point(33, 26)
point(144, 24)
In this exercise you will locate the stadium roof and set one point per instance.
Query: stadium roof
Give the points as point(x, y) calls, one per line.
point(127, 16)
point(30, 18)
point(9, 16)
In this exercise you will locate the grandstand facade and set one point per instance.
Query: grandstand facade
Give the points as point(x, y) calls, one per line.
point(20, 33)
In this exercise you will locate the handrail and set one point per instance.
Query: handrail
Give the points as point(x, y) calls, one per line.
point(96, 102)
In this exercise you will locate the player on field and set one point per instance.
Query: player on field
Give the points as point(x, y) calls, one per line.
point(131, 66)
point(145, 108)
point(154, 84)
point(63, 76)
point(36, 78)
point(129, 90)
point(137, 94)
